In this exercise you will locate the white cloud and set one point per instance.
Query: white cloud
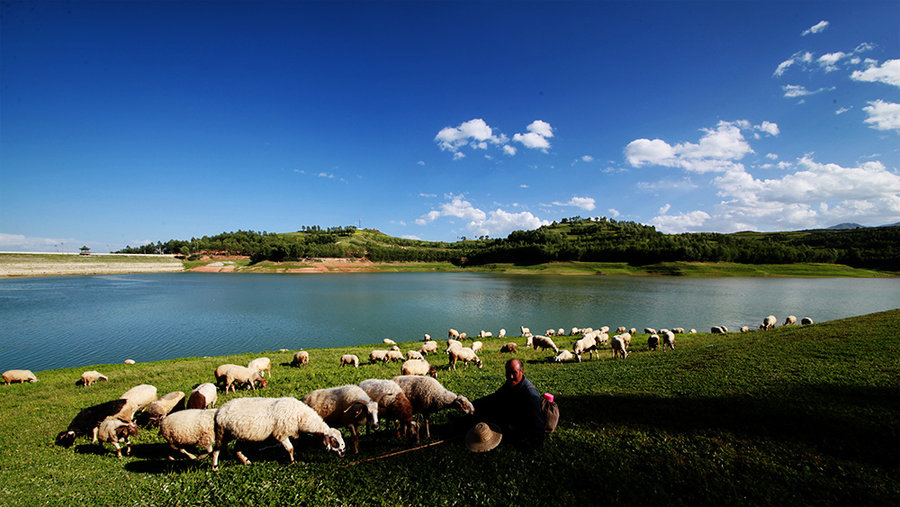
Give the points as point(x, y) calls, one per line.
point(829, 61)
point(430, 196)
point(475, 133)
point(22, 243)
point(421, 162)
point(771, 156)
point(587, 158)
point(783, 67)
point(681, 222)
point(458, 155)
point(817, 28)
point(501, 223)
point(883, 115)
point(667, 185)
point(665, 209)
point(794, 91)
point(509, 150)
point(536, 137)
point(717, 150)
point(614, 213)
point(457, 207)
point(326, 175)
point(585, 203)
point(888, 73)
point(843, 110)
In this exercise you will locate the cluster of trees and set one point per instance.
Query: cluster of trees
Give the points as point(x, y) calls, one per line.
point(572, 239)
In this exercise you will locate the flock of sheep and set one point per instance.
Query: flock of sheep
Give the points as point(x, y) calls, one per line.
point(192, 420)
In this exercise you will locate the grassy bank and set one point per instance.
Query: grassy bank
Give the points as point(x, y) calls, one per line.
point(798, 415)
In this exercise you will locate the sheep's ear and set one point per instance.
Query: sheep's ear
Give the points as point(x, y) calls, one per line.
point(356, 410)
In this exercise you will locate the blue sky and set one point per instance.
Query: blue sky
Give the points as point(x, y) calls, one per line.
point(131, 122)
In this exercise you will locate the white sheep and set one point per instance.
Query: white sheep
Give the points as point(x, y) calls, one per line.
point(193, 426)
point(463, 336)
point(392, 405)
point(502, 333)
point(485, 334)
point(158, 409)
point(89, 377)
point(543, 342)
point(261, 365)
point(378, 355)
point(429, 347)
point(604, 329)
point(427, 396)
point(414, 354)
point(529, 340)
point(21, 376)
point(394, 355)
point(239, 374)
point(350, 360)
point(745, 329)
point(668, 339)
point(565, 355)
point(550, 332)
point(427, 337)
point(301, 358)
point(618, 347)
point(258, 419)
point(626, 339)
point(417, 367)
point(692, 331)
point(220, 373)
point(768, 323)
point(464, 354)
point(678, 330)
point(790, 320)
point(138, 397)
point(203, 396)
point(477, 346)
point(451, 344)
point(805, 321)
point(621, 329)
point(114, 431)
point(129, 361)
point(586, 344)
point(453, 333)
point(346, 405)
point(388, 341)
point(525, 331)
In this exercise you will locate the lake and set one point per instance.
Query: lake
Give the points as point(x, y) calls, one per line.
point(59, 322)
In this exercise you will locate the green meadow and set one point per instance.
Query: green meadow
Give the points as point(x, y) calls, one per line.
point(793, 416)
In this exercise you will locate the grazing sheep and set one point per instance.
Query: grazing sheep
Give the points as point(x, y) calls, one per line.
point(550, 332)
point(388, 341)
point(172, 402)
point(261, 365)
point(192, 426)
point(653, 342)
point(525, 331)
point(575, 331)
point(427, 396)
point(203, 396)
point(717, 330)
point(414, 354)
point(805, 321)
point(745, 329)
point(768, 323)
point(395, 348)
point(427, 337)
point(89, 419)
point(586, 344)
point(89, 377)
point(485, 334)
point(350, 360)
point(668, 340)
point(453, 344)
point(560, 332)
point(392, 405)
point(542, 342)
point(618, 347)
point(529, 340)
point(138, 398)
point(114, 431)
point(418, 367)
point(621, 329)
point(394, 355)
point(453, 333)
point(220, 373)
point(678, 330)
point(510, 347)
point(477, 346)
point(346, 405)
point(464, 354)
point(692, 331)
point(463, 336)
point(601, 338)
point(565, 355)
point(502, 333)
point(239, 374)
point(21, 376)
point(626, 338)
point(429, 347)
point(257, 419)
point(378, 355)
point(129, 361)
point(790, 320)
point(301, 358)
point(649, 330)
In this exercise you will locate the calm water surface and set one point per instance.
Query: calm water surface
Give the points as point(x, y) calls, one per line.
point(62, 322)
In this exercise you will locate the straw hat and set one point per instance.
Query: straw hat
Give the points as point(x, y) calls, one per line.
point(483, 437)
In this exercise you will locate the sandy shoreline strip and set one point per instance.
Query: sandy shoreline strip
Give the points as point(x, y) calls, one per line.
point(25, 264)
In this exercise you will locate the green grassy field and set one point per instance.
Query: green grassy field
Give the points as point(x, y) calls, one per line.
point(799, 415)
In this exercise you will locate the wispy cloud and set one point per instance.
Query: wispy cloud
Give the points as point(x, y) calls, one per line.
point(797, 91)
point(817, 28)
point(887, 73)
point(585, 203)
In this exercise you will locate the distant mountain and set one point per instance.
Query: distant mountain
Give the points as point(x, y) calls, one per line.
point(895, 224)
point(846, 225)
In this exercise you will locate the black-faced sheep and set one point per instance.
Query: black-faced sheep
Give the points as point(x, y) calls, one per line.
point(346, 405)
point(805, 321)
point(203, 396)
point(392, 405)
point(114, 431)
point(89, 377)
point(768, 323)
point(257, 419)
point(427, 396)
point(668, 339)
point(394, 355)
point(653, 341)
point(21, 376)
point(378, 355)
point(790, 320)
point(190, 427)
point(88, 421)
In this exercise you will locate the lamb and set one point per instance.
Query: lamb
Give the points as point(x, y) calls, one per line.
point(790, 320)
point(21, 376)
point(257, 419)
point(203, 396)
point(115, 431)
point(240, 374)
point(138, 397)
point(394, 355)
point(89, 377)
point(158, 409)
point(805, 321)
point(89, 419)
point(378, 355)
point(477, 346)
point(261, 365)
point(565, 355)
point(418, 367)
point(427, 396)
point(414, 354)
point(618, 347)
point(653, 342)
point(392, 405)
point(768, 323)
point(350, 360)
point(586, 344)
point(388, 341)
point(347, 406)
point(464, 354)
point(502, 333)
point(429, 347)
point(668, 340)
point(542, 342)
point(190, 427)
point(301, 358)
point(510, 347)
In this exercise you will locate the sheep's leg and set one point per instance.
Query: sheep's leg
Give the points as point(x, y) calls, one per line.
point(427, 428)
point(241, 457)
point(354, 431)
point(286, 443)
point(118, 450)
point(179, 449)
point(96, 430)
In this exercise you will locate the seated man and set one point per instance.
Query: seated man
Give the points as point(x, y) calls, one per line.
point(515, 408)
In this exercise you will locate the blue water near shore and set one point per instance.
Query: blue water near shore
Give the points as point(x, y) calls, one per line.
point(60, 322)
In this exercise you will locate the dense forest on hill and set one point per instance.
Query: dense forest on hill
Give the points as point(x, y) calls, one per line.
point(571, 239)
